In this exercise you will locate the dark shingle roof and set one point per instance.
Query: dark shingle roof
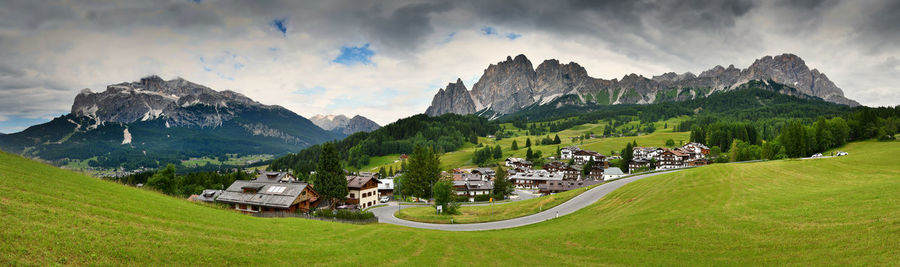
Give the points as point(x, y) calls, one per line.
point(279, 195)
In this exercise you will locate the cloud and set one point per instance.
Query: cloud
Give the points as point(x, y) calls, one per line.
point(351, 55)
point(392, 56)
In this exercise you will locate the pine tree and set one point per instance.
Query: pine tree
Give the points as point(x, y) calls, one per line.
point(556, 140)
point(330, 180)
point(498, 153)
point(515, 145)
point(424, 171)
point(502, 186)
point(529, 154)
point(528, 142)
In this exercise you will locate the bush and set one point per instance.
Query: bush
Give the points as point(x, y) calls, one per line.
point(344, 214)
point(482, 197)
point(460, 198)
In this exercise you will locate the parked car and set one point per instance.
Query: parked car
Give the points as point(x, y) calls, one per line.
point(817, 155)
point(842, 153)
point(385, 199)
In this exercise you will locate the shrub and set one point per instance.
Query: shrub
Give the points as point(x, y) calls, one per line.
point(344, 214)
point(482, 197)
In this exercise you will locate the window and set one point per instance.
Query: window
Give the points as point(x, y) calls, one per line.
point(352, 195)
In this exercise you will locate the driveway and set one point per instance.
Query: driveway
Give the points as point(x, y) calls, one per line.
point(386, 214)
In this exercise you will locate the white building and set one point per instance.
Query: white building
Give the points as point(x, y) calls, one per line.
point(612, 173)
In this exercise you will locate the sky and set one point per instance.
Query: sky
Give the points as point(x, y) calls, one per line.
point(386, 59)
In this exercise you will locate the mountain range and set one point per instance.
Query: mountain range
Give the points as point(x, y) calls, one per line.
point(513, 84)
point(154, 121)
point(343, 125)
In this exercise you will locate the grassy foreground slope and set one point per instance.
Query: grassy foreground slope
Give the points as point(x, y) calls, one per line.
point(813, 212)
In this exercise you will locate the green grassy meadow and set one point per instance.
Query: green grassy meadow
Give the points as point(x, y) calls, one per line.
point(836, 211)
point(499, 212)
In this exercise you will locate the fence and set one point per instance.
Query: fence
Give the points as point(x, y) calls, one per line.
point(282, 214)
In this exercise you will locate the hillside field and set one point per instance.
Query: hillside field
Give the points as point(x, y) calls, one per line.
point(835, 211)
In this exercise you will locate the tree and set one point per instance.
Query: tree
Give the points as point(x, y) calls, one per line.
point(627, 156)
point(424, 171)
point(164, 180)
point(670, 143)
point(473, 138)
point(498, 153)
point(502, 186)
point(586, 170)
point(528, 142)
point(514, 146)
point(556, 140)
point(443, 196)
point(529, 154)
point(330, 182)
point(382, 173)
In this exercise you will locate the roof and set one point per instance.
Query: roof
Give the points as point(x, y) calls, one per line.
point(278, 195)
point(484, 170)
point(275, 177)
point(613, 171)
point(474, 185)
point(386, 184)
point(359, 181)
point(208, 195)
point(537, 175)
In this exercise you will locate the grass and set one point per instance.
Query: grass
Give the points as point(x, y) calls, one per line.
point(837, 211)
point(499, 212)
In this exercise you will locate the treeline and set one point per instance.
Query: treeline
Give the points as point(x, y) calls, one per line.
point(797, 138)
point(167, 181)
point(444, 133)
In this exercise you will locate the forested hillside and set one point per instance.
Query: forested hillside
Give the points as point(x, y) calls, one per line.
point(445, 133)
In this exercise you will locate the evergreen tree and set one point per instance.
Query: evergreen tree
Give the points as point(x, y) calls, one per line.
point(502, 186)
point(382, 173)
point(627, 156)
point(556, 140)
point(529, 154)
point(330, 180)
point(515, 145)
point(391, 171)
point(528, 142)
point(498, 153)
point(586, 170)
point(424, 171)
point(670, 143)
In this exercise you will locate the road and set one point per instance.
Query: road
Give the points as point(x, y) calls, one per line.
point(386, 214)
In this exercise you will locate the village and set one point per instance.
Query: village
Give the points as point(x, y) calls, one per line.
point(575, 168)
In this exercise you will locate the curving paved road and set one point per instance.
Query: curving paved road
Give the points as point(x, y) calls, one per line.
point(386, 214)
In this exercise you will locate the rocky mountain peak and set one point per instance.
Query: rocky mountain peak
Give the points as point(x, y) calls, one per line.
point(510, 85)
point(152, 97)
point(344, 125)
point(454, 98)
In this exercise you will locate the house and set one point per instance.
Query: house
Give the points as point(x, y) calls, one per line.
point(386, 187)
point(638, 163)
point(570, 172)
point(596, 173)
point(670, 159)
point(696, 150)
point(568, 152)
point(362, 191)
point(473, 188)
point(370, 174)
point(553, 187)
point(467, 177)
point(612, 173)
point(518, 162)
point(269, 192)
point(583, 156)
point(532, 179)
point(487, 174)
point(208, 195)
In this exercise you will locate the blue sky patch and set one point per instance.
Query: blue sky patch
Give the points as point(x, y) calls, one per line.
point(15, 123)
point(488, 30)
point(279, 24)
point(351, 55)
point(513, 36)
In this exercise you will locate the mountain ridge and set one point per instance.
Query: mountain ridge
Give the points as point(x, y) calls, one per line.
point(344, 125)
point(152, 121)
point(511, 85)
